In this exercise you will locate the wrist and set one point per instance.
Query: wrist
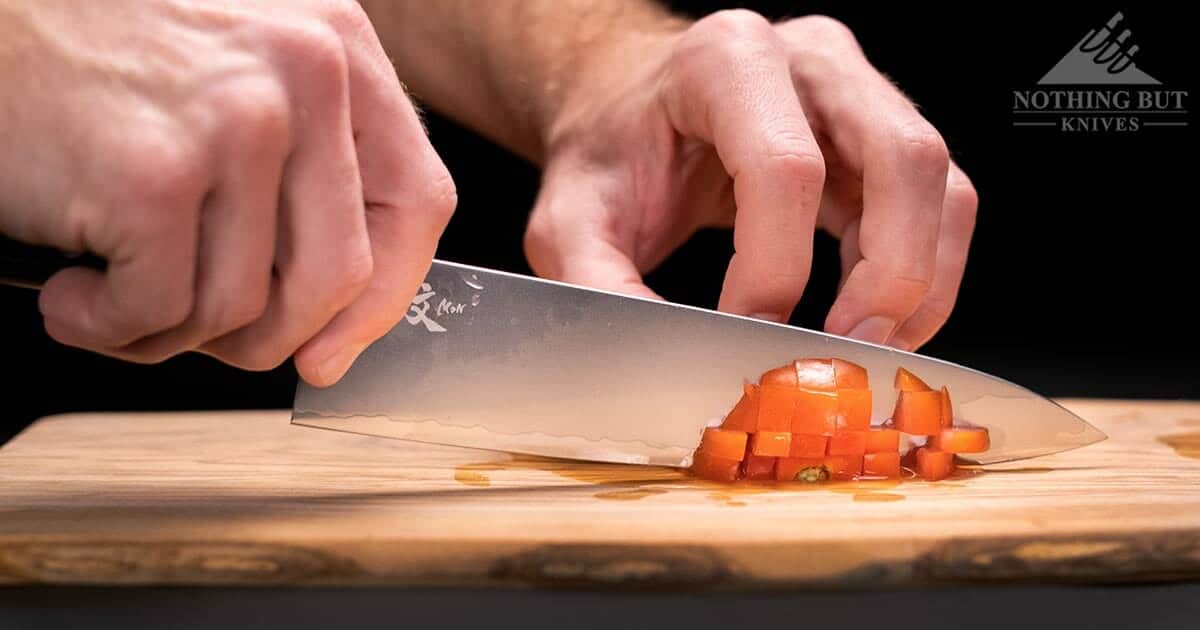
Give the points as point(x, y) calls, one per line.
point(599, 71)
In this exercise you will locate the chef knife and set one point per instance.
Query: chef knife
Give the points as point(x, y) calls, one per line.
point(499, 361)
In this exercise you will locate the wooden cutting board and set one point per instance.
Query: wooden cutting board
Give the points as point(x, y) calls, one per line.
point(246, 498)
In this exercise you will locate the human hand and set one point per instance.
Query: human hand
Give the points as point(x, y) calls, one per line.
point(253, 172)
point(775, 130)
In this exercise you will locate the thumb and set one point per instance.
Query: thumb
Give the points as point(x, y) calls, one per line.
point(578, 234)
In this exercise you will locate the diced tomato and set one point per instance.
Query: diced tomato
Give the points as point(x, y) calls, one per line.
point(849, 375)
point(854, 409)
point(776, 407)
point(706, 466)
point(918, 413)
point(882, 464)
point(756, 468)
point(881, 440)
point(806, 468)
point(816, 413)
point(816, 374)
point(782, 376)
point(908, 382)
point(934, 465)
point(724, 444)
point(961, 440)
point(770, 443)
point(947, 408)
point(848, 443)
point(844, 467)
point(807, 445)
point(744, 416)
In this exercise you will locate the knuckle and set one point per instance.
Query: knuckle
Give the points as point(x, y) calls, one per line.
point(245, 308)
point(346, 16)
point(824, 28)
point(162, 174)
point(259, 111)
point(961, 196)
point(319, 50)
point(796, 158)
point(922, 146)
point(735, 33)
point(354, 272)
point(442, 197)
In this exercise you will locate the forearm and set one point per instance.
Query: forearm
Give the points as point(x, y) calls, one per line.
point(504, 67)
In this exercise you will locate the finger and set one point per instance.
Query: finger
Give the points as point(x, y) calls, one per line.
point(954, 240)
point(734, 90)
point(237, 226)
point(323, 258)
point(903, 164)
point(150, 248)
point(409, 197)
point(573, 236)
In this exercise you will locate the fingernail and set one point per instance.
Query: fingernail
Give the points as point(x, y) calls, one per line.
point(874, 329)
point(331, 370)
point(770, 317)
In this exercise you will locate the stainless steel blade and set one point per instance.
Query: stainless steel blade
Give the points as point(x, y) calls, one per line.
point(500, 361)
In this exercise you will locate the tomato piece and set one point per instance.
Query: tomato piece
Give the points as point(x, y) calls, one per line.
point(961, 440)
point(816, 413)
point(881, 440)
point(706, 466)
point(849, 375)
point(848, 443)
point(816, 374)
point(756, 468)
point(770, 443)
point(854, 409)
point(886, 465)
point(782, 376)
point(810, 469)
point(918, 413)
point(908, 382)
point(844, 467)
point(776, 407)
point(807, 445)
point(723, 443)
point(933, 465)
point(744, 416)
point(947, 408)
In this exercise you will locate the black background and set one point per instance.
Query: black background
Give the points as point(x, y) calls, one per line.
point(1078, 274)
point(1076, 286)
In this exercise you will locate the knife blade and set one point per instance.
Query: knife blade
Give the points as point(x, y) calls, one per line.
point(500, 361)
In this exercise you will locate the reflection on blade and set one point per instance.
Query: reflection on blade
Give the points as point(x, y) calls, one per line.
point(499, 361)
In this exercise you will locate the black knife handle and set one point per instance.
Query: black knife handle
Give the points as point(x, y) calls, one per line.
point(29, 266)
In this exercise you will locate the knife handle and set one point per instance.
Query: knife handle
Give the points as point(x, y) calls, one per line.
point(29, 266)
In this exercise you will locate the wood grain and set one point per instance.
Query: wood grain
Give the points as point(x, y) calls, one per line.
point(247, 498)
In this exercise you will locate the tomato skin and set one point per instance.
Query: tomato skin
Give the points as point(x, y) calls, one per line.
point(961, 440)
point(776, 407)
point(849, 375)
point(807, 445)
point(706, 466)
point(770, 443)
point(744, 416)
point(783, 376)
point(854, 409)
point(723, 443)
point(816, 413)
point(883, 464)
point(918, 413)
point(883, 440)
point(853, 443)
point(816, 375)
point(756, 468)
point(933, 465)
point(908, 382)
